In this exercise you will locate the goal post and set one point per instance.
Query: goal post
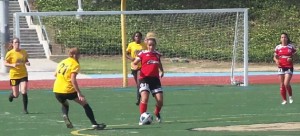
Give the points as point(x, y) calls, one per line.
point(213, 41)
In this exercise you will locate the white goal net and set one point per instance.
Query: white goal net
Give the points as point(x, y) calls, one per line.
point(201, 42)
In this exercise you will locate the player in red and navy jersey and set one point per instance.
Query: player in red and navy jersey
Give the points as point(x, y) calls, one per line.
point(283, 57)
point(149, 79)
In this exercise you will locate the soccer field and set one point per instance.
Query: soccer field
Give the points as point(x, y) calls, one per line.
point(187, 109)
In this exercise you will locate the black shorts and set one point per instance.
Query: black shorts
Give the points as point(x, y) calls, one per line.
point(16, 82)
point(62, 97)
point(151, 84)
point(135, 72)
point(282, 71)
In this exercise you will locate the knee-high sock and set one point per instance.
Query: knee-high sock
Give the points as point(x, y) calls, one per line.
point(289, 90)
point(89, 113)
point(283, 92)
point(25, 101)
point(65, 109)
point(138, 95)
point(143, 107)
point(157, 110)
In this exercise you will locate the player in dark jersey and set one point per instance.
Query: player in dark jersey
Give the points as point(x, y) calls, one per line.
point(149, 79)
point(283, 57)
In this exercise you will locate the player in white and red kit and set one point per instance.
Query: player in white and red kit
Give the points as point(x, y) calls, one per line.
point(149, 79)
point(283, 57)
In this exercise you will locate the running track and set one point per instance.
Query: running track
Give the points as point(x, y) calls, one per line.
point(166, 81)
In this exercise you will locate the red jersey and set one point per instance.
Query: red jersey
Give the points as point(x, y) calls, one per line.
point(283, 53)
point(150, 63)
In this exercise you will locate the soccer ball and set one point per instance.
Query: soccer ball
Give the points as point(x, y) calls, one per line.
point(146, 118)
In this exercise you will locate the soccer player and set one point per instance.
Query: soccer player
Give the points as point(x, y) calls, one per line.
point(66, 88)
point(149, 79)
point(132, 50)
point(17, 59)
point(283, 57)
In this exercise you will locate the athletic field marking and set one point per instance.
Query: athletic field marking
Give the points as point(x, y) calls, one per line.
point(287, 126)
point(78, 132)
point(225, 117)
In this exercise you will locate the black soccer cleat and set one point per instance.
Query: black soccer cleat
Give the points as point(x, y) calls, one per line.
point(158, 118)
point(137, 103)
point(67, 121)
point(100, 126)
point(25, 112)
point(10, 98)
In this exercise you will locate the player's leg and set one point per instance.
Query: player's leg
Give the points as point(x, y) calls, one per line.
point(282, 89)
point(90, 114)
point(135, 74)
point(144, 101)
point(144, 91)
point(24, 90)
point(14, 83)
point(159, 103)
point(158, 95)
point(62, 99)
point(288, 87)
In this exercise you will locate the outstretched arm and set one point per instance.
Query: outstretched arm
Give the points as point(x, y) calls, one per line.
point(75, 85)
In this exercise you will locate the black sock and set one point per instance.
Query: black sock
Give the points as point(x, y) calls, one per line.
point(89, 113)
point(65, 109)
point(25, 101)
point(138, 95)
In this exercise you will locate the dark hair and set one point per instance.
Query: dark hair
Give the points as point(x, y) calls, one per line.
point(137, 32)
point(288, 38)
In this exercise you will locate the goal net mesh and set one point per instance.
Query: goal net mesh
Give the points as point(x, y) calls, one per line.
point(196, 42)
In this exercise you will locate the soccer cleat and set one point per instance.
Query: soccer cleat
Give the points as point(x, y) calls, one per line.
point(10, 98)
point(283, 102)
point(67, 121)
point(137, 103)
point(291, 99)
point(99, 126)
point(25, 112)
point(158, 118)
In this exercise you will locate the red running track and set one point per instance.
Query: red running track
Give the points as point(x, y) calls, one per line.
point(166, 81)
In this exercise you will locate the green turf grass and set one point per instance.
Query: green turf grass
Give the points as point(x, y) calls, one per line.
point(185, 108)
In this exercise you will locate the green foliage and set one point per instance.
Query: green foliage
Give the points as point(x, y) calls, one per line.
point(267, 19)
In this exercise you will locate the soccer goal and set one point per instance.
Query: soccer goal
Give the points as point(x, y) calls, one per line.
point(209, 43)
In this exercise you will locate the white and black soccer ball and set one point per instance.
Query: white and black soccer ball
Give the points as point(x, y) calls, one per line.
point(146, 118)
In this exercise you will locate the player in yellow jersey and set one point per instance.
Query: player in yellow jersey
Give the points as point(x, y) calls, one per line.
point(66, 88)
point(132, 50)
point(16, 59)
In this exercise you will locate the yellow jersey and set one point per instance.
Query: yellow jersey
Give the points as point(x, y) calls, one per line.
point(134, 48)
point(63, 72)
point(12, 57)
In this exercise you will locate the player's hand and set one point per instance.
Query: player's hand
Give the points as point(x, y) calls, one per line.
point(15, 65)
point(289, 59)
point(81, 97)
point(134, 66)
point(162, 74)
